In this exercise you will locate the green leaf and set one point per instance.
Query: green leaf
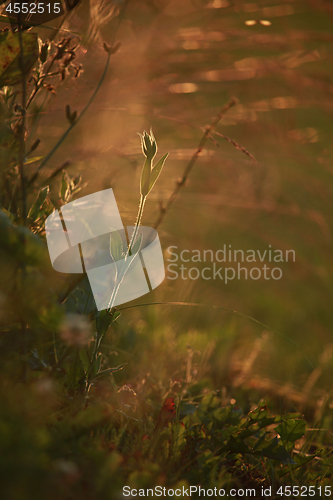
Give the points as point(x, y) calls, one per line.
point(156, 171)
point(236, 445)
point(258, 413)
point(110, 370)
point(32, 252)
point(279, 453)
point(85, 360)
point(75, 374)
point(137, 245)
point(116, 316)
point(65, 187)
point(300, 461)
point(80, 299)
point(10, 56)
point(7, 139)
point(35, 301)
point(291, 431)
point(116, 245)
point(33, 160)
point(96, 366)
point(186, 409)
point(274, 451)
point(103, 321)
point(35, 211)
point(145, 177)
point(260, 443)
point(251, 427)
point(290, 416)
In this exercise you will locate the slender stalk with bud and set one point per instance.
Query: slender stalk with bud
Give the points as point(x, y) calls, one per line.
point(149, 176)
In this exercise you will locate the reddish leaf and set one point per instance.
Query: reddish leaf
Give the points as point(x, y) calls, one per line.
point(167, 413)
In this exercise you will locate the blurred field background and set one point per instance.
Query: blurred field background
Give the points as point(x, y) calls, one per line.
point(179, 63)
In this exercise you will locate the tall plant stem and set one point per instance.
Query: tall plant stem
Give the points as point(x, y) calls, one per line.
point(137, 224)
point(111, 309)
point(22, 178)
point(22, 128)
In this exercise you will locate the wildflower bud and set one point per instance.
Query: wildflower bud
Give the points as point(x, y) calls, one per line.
point(150, 172)
point(149, 146)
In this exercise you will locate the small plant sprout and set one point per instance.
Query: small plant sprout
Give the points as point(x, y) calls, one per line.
point(149, 175)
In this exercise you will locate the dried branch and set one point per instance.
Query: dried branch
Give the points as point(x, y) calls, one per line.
point(181, 182)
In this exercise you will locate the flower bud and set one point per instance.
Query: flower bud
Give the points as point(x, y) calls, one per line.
point(149, 146)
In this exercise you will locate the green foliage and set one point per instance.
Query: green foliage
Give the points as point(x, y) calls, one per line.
point(56, 445)
point(290, 431)
point(38, 209)
point(70, 186)
point(156, 170)
point(116, 246)
point(10, 56)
